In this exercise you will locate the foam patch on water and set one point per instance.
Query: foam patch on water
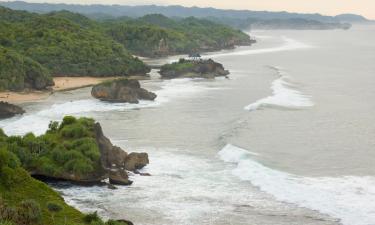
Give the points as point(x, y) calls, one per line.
point(350, 199)
point(283, 95)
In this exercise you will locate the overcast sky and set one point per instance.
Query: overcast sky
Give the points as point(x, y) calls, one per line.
point(327, 7)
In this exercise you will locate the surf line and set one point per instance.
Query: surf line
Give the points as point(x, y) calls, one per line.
point(284, 94)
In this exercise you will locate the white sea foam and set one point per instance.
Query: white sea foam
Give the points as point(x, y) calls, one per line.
point(37, 122)
point(283, 95)
point(350, 199)
point(289, 44)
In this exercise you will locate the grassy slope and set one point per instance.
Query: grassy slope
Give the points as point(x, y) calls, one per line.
point(25, 188)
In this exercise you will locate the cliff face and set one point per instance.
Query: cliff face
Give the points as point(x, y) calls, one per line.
point(193, 68)
point(121, 90)
point(116, 161)
point(8, 110)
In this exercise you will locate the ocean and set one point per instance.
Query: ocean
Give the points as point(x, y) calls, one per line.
point(287, 139)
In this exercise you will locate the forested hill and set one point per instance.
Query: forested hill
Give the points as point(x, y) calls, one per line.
point(34, 47)
point(157, 35)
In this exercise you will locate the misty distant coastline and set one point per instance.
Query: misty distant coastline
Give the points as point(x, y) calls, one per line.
point(241, 19)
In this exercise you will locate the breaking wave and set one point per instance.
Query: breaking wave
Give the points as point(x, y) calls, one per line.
point(283, 95)
point(351, 199)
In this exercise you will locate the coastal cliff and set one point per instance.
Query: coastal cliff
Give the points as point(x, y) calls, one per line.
point(75, 150)
point(193, 69)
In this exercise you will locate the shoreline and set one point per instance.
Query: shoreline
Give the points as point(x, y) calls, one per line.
point(61, 84)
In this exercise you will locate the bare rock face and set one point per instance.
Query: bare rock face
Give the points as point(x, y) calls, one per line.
point(116, 161)
point(119, 177)
point(136, 161)
point(8, 110)
point(121, 90)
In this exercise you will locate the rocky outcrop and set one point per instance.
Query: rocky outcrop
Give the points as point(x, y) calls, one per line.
point(116, 161)
point(8, 110)
point(193, 68)
point(121, 90)
point(114, 165)
point(135, 161)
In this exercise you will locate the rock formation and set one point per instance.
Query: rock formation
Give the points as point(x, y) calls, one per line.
point(193, 68)
point(8, 110)
point(116, 161)
point(114, 165)
point(121, 90)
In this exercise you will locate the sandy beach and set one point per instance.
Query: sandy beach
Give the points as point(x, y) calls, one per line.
point(61, 84)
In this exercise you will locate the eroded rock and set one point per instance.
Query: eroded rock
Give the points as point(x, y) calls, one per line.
point(121, 90)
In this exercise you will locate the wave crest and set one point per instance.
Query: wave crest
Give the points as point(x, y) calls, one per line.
point(283, 95)
point(350, 199)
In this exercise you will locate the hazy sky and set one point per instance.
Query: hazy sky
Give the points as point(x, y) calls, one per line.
point(327, 7)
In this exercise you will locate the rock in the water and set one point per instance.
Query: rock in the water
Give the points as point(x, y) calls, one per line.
point(193, 68)
point(119, 177)
point(8, 110)
point(135, 161)
point(116, 160)
point(121, 90)
point(111, 186)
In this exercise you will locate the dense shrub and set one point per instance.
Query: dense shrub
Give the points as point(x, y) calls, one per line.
point(28, 212)
point(92, 217)
point(67, 147)
point(18, 72)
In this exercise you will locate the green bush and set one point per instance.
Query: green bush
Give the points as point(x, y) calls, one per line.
point(28, 212)
point(91, 218)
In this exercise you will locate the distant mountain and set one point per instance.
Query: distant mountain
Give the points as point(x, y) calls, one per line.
point(171, 11)
point(278, 24)
point(351, 18)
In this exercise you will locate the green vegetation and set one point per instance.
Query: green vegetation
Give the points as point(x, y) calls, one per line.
point(26, 201)
point(68, 148)
point(181, 66)
point(36, 47)
point(18, 72)
point(154, 35)
point(58, 44)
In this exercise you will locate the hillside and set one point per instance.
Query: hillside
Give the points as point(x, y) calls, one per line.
point(64, 43)
point(26, 201)
point(18, 72)
point(157, 35)
point(52, 45)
